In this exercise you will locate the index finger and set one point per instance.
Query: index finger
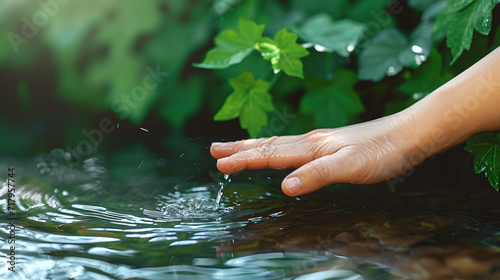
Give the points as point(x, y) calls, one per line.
point(220, 150)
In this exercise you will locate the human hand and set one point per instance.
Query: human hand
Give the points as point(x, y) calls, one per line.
point(360, 154)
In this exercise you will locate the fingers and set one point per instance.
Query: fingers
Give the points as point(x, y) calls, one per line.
point(330, 169)
point(281, 156)
point(220, 150)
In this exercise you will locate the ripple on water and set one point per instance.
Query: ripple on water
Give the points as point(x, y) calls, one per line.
point(192, 203)
point(259, 266)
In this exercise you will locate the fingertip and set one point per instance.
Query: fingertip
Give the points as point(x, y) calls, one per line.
point(292, 186)
point(229, 166)
point(212, 150)
point(219, 149)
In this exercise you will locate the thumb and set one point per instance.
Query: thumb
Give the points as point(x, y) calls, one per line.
point(312, 176)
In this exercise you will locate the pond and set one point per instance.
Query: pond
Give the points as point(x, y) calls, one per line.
point(136, 215)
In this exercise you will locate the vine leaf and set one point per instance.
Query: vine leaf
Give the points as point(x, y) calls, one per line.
point(341, 36)
point(486, 150)
point(284, 53)
point(390, 51)
point(460, 19)
point(333, 103)
point(250, 101)
point(231, 46)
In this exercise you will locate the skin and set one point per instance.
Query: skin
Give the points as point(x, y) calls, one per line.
point(381, 149)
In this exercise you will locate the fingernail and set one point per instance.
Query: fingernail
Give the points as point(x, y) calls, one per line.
point(293, 184)
point(222, 160)
point(221, 146)
point(218, 144)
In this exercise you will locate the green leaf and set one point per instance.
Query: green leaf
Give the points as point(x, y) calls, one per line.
point(284, 53)
point(426, 78)
point(460, 19)
point(341, 36)
point(250, 101)
point(390, 51)
point(486, 150)
point(232, 47)
point(333, 103)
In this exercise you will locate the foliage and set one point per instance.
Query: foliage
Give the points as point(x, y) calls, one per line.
point(340, 36)
point(305, 64)
point(486, 150)
point(390, 51)
point(250, 101)
point(333, 103)
point(460, 19)
point(283, 53)
point(232, 47)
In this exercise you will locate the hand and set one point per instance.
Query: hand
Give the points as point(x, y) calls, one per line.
point(360, 154)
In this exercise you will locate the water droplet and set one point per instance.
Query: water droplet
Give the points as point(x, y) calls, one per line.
point(320, 48)
point(350, 48)
point(417, 49)
point(391, 70)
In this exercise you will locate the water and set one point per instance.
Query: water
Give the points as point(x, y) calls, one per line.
point(219, 194)
point(107, 219)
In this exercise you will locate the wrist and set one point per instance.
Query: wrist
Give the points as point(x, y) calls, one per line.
point(428, 132)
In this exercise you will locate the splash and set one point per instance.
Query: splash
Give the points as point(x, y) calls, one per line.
point(193, 208)
point(192, 203)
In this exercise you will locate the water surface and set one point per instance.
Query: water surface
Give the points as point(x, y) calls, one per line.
point(153, 218)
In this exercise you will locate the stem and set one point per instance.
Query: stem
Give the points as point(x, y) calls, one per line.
point(269, 73)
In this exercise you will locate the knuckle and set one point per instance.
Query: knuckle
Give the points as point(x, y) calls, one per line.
point(317, 172)
point(317, 134)
point(360, 167)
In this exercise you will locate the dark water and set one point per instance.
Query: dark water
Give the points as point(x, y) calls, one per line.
point(144, 217)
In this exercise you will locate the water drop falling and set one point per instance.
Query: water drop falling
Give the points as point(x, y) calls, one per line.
point(219, 194)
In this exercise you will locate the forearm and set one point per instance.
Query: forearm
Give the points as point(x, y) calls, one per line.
point(468, 104)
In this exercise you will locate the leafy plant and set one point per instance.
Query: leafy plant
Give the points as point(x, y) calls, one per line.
point(333, 103)
point(332, 98)
point(486, 150)
point(460, 19)
point(326, 63)
point(250, 101)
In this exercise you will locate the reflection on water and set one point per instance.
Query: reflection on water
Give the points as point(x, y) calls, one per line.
point(85, 222)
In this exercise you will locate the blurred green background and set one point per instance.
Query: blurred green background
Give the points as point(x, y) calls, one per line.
point(71, 67)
